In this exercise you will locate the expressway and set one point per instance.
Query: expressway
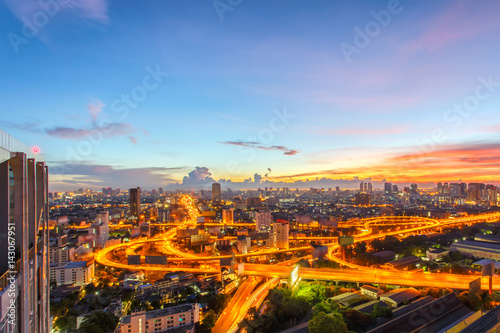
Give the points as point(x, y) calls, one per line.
point(428, 224)
point(230, 314)
point(263, 277)
point(400, 278)
point(229, 320)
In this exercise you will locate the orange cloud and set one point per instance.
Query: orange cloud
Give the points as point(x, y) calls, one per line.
point(474, 162)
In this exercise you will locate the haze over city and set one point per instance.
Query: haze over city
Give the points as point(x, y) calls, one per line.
point(183, 94)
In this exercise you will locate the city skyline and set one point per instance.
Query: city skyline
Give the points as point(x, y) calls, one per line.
point(184, 94)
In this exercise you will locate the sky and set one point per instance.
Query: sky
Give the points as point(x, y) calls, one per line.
point(253, 93)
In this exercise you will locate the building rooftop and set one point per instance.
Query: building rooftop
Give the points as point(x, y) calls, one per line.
point(485, 323)
point(483, 262)
point(347, 299)
point(402, 294)
point(160, 313)
point(72, 264)
point(434, 250)
point(474, 245)
point(368, 307)
point(404, 261)
point(427, 318)
point(371, 288)
point(487, 238)
point(10, 144)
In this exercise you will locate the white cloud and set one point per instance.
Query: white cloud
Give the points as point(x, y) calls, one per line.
point(96, 10)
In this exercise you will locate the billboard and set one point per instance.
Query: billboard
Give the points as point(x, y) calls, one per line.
point(200, 239)
point(134, 260)
point(475, 286)
point(488, 269)
point(186, 233)
point(294, 275)
point(156, 260)
point(346, 240)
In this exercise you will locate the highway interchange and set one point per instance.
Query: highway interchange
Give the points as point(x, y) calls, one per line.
point(264, 277)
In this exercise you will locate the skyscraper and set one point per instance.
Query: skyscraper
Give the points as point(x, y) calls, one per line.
point(24, 234)
point(263, 220)
point(455, 190)
point(362, 199)
point(227, 216)
point(475, 191)
point(216, 192)
point(135, 202)
point(362, 187)
point(440, 188)
point(388, 188)
point(279, 236)
point(370, 188)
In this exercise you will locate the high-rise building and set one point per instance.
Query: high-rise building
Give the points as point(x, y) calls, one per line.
point(414, 188)
point(244, 244)
point(216, 192)
point(440, 188)
point(388, 188)
point(446, 189)
point(395, 189)
point(362, 187)
point(370, 188)
point(180, 317)
point(228, 216)
point(455, 190)
point(362, 199)
point(100, 229)
point(135, 202)
point(263, 220)
point(78, 273)
point(254, 202)
point(279, 236)
point(463, 189)
point(475, 191)
point(492, 194)
point(24, 234)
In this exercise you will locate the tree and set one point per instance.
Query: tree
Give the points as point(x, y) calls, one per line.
point(360, 248)
point(99, 322)
point(456, 256)
point(356, 320)
point(66, 323)
point(377, 245)
point(323, 323)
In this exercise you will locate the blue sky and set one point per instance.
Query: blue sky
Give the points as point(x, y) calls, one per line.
point(230, 81)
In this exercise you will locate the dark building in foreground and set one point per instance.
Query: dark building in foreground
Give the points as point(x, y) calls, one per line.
point(24, 239)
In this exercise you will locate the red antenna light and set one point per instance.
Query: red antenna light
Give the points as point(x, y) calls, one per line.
point(35, 149)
